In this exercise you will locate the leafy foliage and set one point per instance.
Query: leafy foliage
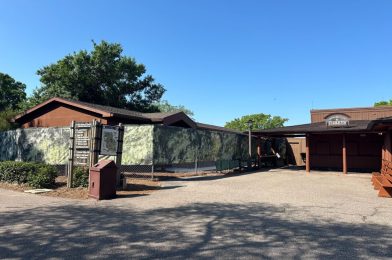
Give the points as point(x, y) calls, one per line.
point(165, 106)
point(383, 103)
point(44, 177)
point(5, 120)
point(16, 172)
point(80, 178)
point(37, 175)
point(260, 121)
point(12, 93)
point(103, 76)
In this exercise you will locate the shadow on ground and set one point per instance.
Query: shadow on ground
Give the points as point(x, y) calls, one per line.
point(198, 230)
point(212, 176)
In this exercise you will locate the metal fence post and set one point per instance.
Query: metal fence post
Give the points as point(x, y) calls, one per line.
point(196, 156)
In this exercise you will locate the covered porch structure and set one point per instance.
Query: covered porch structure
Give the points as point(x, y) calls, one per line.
point(360, 146)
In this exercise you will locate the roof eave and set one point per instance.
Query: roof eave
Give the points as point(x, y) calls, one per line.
point(67, 102)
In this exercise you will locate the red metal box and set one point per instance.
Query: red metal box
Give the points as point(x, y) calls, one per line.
point(103, 180)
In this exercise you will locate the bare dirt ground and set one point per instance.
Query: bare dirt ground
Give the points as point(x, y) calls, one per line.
point(134, 187)
point(279, 214)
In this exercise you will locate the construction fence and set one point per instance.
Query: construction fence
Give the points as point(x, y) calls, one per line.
point(147, 149)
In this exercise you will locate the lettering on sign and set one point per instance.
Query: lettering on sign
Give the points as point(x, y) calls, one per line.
point(337, 121)
point(82, 144)
point(81, 157)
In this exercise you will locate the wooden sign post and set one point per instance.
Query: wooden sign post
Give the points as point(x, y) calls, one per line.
point(79, 148)
point(88, 141)
point(119, 152)
point(112, 144)
point(71, 155)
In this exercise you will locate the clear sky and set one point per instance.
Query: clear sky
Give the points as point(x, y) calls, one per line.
point(220, 58)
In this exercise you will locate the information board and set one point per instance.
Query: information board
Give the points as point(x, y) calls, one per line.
point(82, 144)
point(109, 141)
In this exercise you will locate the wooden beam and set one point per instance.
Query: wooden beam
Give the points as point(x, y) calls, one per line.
point(307, 153)
point(344, 154)
point(259, 142)
point(71, 156)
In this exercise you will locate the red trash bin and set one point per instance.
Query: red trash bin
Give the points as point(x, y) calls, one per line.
point(103, 180)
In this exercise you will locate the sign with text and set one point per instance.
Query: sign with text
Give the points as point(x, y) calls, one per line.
point(109, 141)
point(337, 121)
point(82, 143)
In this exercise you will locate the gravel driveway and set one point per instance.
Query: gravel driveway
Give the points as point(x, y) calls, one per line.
point(270, 214)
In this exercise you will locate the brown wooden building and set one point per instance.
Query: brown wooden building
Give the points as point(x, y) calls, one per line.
point(353, 139)
point(60, 112)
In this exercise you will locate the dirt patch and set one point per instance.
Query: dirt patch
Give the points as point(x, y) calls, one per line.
point(64, 192)
point(140, 187)
point(134, 187)
point(14, 186)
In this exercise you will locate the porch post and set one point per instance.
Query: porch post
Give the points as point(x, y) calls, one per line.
point(258, 151)
point(307, 153)
point(344, 154)
point(388, 152)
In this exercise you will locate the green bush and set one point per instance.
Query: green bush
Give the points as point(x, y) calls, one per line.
point(44, 177)
point(80, 177)
point(37, 175)
point(16, 172)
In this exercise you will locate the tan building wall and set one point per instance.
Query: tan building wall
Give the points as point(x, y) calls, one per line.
point(296, 150)
point(366, 113)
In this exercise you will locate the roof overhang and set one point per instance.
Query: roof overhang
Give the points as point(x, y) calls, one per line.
point(62, 101)
point(319, 128)
point(175, 118)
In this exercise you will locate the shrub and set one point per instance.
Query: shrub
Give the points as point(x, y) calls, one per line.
point(37, 175)
point(44, 177)
point(16, 172)
point(80, 177)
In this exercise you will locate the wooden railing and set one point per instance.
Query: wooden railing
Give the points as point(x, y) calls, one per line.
point(382, 181)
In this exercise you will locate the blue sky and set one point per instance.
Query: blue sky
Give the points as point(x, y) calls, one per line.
point(220, 58)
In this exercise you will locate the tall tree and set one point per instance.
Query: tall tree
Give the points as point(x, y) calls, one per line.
point(103, 76)
point(12, 93)
point(383, 103)
point(6, 119)
point(165, 106)
point(260, 121)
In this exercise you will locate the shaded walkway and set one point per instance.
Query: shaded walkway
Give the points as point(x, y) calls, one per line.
point(198, 230)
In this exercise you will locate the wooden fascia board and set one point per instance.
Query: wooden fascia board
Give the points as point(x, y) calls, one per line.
point(63, 101)
point(179, 117)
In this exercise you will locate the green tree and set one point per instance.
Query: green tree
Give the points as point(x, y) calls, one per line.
point(383, 103)
point(12, 93)
point(260, 121)
point(103, 76)
point(165, 106)
point(6, 119)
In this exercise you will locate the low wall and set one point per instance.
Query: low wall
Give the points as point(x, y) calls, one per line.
point(48, 145)
point(143, 145)
point(174, 145)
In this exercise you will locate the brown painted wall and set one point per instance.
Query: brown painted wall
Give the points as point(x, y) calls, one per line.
point(363, 152)
point(58, 115)
point(369, 113)
point(295, 147)
point(387, 149)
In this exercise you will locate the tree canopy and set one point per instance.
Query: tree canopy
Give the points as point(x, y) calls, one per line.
point(102, 76)
point(260, 121)
point(383, 103)
point(12, 93)
point(165, 106)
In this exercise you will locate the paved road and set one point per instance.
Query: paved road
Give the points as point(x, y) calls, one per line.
point(272, 214)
